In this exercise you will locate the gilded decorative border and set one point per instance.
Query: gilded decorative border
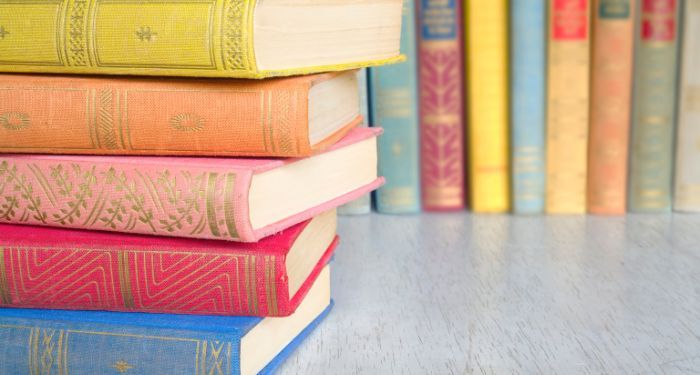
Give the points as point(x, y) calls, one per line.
point(236, 41)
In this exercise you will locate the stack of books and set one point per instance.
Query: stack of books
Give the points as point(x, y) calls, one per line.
point(220, 190)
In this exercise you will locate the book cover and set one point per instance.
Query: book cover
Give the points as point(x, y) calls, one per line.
point(687, 186)
point(486, 24)
point(93, 342)
point(654, 107)
point(528, 34)
point(567, 105)
point(52, 268)
point(394, 97)
point(215, 38)
point(362, 205)
point(152, 116)
point(206, 198)
point(611, 94)
point(441, 78)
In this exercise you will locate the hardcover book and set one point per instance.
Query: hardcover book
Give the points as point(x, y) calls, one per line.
point(441, 78)
point(212, 38)
point(394, 95)
point(287, 117)
point(91, 342)
point(611, 91)
point(487, 79)
point(210, 198)
point(77, 270)
point(687, 193)
point(527, 68)
point(654, 107)
point(363, 204)
point(567, 105)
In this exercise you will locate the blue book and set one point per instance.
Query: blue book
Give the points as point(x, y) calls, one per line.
point(361, 205)
point(81, 342)
point(528, 72)
point(394, 106)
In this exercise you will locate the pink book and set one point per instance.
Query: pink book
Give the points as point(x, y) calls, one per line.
point(87, 270)
point(209, 198)
point(441, 105)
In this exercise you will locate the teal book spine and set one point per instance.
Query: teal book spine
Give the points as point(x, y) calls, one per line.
point(394, 98)
point(528, 70)
point(363, 204)
point(654, 107)
point(93, 342)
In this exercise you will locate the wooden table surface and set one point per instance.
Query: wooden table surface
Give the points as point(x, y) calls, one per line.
point(462, 294)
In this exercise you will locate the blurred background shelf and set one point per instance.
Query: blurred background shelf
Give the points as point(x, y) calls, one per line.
point(460, 293)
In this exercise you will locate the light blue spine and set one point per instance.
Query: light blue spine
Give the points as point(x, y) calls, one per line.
point(94, 342)
point(361, 205)
point(528, 95)
point(394, 98)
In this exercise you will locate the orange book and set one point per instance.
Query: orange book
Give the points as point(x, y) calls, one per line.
point(285, 117)
point(611, 91)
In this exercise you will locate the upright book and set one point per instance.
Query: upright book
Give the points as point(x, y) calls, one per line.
point(77, 270)
point(527, 68)
point(687, 194)
point(288, 117)
point(654, 107)
point(91, 342)
point(486, 23)
point(567, 105)
point(394, 96)
point(441, 80)
point(216, 38)
point(363, 204)
point(611, 91)
point(210, 198)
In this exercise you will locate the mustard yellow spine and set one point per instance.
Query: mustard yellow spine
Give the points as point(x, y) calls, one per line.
point(487, 82)
point(149, 37)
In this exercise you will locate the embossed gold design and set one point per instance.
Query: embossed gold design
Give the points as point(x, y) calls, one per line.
point(3, 32)
point(105, 120)
point(122, 366)
point(125, 279)
point(47, 351)
point(211, 360)
point(187, 122)
point(5, 297)
point(14, 120)
point(235, 44)
point(76, 47)
point(145, 34)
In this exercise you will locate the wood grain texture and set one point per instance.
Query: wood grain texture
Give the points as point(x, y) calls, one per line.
point(463, 294)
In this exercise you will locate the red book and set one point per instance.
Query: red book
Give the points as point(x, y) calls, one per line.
point(85, 270)
point(441, 105)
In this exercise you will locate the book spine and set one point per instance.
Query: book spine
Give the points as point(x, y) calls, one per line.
point(687, 193)
point(528, 66)
point(567, 105)
point(394, 97)
point(59, 115)
point(363, 204)
point(151, 280)
point(128, 197)
point(45, 346)
point(89, 36)
point(611, 91)
point(441, 78)
point(487, 79)
point(654, 106)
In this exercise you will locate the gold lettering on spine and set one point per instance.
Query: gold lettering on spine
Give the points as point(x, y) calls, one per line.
point(229, 208)
point(211, 204)
point(125, 279)
point(5, 297)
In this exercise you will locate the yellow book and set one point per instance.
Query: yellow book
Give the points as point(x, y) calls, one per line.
point(567, 105)
point(487, 82)
point(199, 38)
